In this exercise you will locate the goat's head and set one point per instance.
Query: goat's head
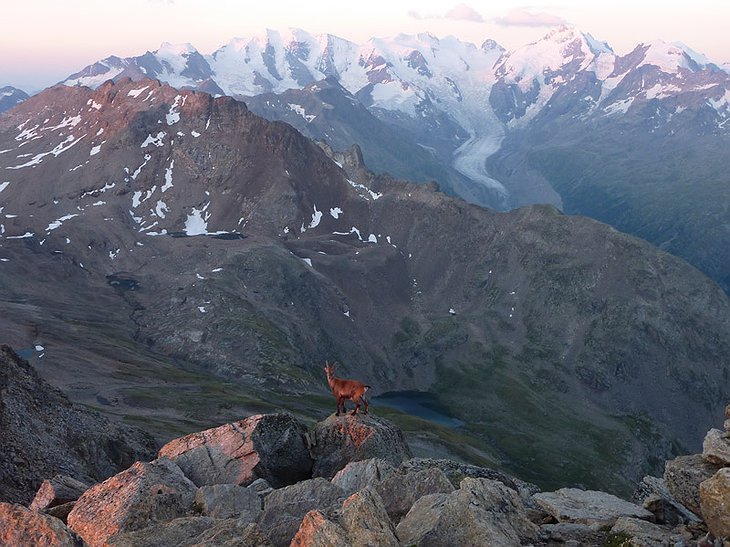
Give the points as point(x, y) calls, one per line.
point(329, 370)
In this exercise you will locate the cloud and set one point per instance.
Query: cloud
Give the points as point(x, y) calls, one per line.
point(520, 17)
point(413, 14)
point(462, 12)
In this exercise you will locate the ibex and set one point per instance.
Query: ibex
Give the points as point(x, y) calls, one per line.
point(346, 389)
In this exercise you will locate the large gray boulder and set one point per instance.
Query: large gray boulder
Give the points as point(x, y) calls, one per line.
point(194, 531)
point(715, 502)
point(716, 448)
point(400, 491)
point(285, 508)
point(339, 440)
point(143, 495)
point(481, 512)
point(361, 520)
point(644, 533)
point(653, 495)
point(683, 476)
point(588, 507)
point(226, 501)
point(358, 475)
point(268, 446)
point(20, 526)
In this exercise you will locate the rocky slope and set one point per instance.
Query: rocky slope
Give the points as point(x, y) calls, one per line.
point(377, 495)
point(43, 434)
point(11, 97)
point(182, 260)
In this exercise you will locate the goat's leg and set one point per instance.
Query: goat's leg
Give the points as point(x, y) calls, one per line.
point(339, 402)
point(364, 400)
point(357, 405)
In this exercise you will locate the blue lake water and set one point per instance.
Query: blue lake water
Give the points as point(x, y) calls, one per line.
point(418, 403)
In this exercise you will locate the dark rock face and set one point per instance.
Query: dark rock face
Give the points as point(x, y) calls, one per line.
point(43, 435)
point(340, 440)
point(270, 447)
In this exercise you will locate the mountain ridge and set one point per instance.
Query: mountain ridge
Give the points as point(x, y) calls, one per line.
point(206, 260)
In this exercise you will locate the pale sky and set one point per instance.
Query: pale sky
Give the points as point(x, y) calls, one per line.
point(43, 41)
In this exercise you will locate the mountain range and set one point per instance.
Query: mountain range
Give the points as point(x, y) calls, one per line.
point(633, 140)
point(175, 260)
point(10, 97)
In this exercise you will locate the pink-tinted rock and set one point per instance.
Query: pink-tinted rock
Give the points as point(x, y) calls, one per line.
point(268, 446)
point(57, 491)
point(21, 527)
point(715, 502)
point(143, 495)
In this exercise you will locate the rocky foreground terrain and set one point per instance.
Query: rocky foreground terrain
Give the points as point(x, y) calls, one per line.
point(351, 480)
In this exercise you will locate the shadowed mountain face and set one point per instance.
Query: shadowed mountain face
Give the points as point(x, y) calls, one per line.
point(180, 259)
point(11, 97)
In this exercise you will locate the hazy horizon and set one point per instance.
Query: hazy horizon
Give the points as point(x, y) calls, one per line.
point(71, 35)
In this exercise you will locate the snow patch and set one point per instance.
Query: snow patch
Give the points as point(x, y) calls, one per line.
point(335, 212)
point(136, 92)
point(316, 218)
point(364, 190)
point(4, 185)
point(57, 223)
point(299, 109)
point(156, 140)
point(168, 177)
point(197, 222)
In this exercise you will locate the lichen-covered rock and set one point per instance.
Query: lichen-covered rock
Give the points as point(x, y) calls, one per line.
point(316, 530)
point(683, 476)
point(481, 512)
point(269, 446)
point(284, 508)
point(20, 526)
point(59, 490)
point(400, 491)
point(194, 531)
point(339, 440)
point(716, 448)
point(144, 494)
point(366, 521)
point(715, 502)
point(225, 501)
point(654, 496)
point(588, 506)
point(644, 533)
point(361, 474)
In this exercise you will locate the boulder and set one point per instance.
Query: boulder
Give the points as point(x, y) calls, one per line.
point(144, 494)
point(366, 521)
point(59, 490)
point(643, 533)
point(269, 446)
point(225, 501)
point(20, 526)
point(194, 531)
point(572, 533)
point(285, 508)
point(683, 476)
point(480, 512)
point(588, 506)
point(715, 502)
point(400, 491)
point(716, 448)
point(261, 487)
point(457, 471)
point(358, 475)
point(654, 496)
point(339, 440)
point(316, 530)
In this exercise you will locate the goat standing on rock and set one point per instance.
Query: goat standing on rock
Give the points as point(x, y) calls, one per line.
point(346, 389)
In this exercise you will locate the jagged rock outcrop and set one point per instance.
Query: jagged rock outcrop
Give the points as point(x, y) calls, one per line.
point(400, 491)
point(284, 508)
point(339, 440)
point(43, 434)
point(268, 446)
point(683, 476)
point(20, 526)
point(57, 491)
point(225, 501)
point(144, 494)
point(195, 531)
point(716, 447)
point(361, 474)
point(652, 493)
point(588, 507)
point(480, 512)
point(715, 502)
